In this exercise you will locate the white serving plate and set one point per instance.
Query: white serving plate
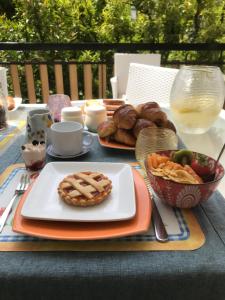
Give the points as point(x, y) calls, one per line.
point(43, 201)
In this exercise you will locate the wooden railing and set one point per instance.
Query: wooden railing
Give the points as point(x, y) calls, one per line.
point(66, 72)
point(73, 78)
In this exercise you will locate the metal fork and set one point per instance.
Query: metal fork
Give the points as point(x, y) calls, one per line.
point(20, 189)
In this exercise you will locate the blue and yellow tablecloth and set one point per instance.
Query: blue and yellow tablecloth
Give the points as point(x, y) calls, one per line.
point(183, 228)
point(10, 133)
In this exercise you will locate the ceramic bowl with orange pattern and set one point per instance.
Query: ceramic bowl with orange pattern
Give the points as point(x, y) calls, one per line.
point(185, 195)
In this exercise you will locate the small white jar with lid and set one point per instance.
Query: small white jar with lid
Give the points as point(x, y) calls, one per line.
point(72, 113)
point(95, 115)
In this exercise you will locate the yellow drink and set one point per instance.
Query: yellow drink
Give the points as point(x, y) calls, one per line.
point(195, 115)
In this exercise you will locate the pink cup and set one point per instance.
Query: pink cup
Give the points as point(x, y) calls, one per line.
point(56, 103)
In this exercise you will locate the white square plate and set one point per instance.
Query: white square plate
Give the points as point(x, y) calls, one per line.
point(43, 201)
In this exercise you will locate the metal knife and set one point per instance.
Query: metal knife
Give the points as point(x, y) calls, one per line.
point(159, 227)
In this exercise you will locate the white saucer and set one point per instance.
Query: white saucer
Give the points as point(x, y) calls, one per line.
point(53, 154)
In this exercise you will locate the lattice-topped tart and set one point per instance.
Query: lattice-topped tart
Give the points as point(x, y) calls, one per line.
point(85, 188)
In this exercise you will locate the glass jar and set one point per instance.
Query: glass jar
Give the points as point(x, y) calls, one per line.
point(95, 115)
point(196, 98)
point(72, 113)
point(56, 103)
point(3, 109)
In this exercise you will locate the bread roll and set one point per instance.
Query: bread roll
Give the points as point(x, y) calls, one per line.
point(140, 124)
point(106, 128)
point(155, 115)
point(125, 116)
point(125, 137)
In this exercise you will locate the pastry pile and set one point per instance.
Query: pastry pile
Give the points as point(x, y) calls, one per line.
point(128, 121)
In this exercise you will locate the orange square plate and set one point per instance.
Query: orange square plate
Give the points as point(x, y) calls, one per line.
point(111, 144)
point(90, 231)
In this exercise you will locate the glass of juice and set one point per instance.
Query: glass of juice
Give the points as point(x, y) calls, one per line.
point(196, 98)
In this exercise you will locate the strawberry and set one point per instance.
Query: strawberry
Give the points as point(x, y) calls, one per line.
point(200, 165)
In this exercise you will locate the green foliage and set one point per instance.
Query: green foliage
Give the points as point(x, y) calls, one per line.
point(116, 23)
point(72, 21)
point(180, 21)
point(58, 21)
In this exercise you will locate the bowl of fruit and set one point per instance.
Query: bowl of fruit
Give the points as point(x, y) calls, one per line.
point(183, 178)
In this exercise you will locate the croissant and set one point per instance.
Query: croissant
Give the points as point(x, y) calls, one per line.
point(125, 137)
point(155, 115)
point(140, 124)
point(170, 125)
point(106, 128)
point(138, 108)
point(149, 105)
point(125, 116)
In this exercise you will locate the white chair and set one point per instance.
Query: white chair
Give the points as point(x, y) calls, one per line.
point(121, 67)
point(3, 81)
point(149, 83)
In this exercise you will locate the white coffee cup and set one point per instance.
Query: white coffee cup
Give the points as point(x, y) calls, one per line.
point(68, 138)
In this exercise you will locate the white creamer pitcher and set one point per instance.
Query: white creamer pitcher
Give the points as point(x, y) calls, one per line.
point(39, 122)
